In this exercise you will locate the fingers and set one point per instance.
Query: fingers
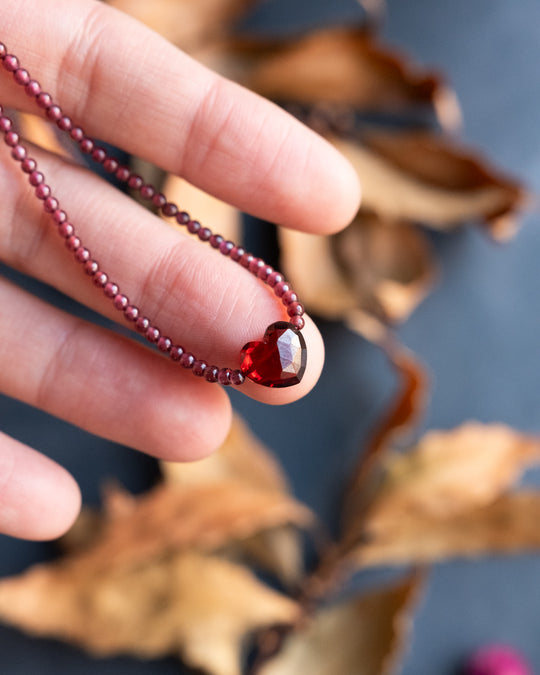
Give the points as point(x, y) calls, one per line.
point(38, 498)
point(105, 383)
point(130, 87)
point(196, 296)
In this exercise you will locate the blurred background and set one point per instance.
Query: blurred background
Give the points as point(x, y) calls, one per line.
point(478, 334)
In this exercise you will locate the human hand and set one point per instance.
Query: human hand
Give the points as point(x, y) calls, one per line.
point(127, 86)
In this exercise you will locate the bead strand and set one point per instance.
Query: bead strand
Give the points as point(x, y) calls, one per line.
point(101, 280)
point(256, 266)
point(148, 192)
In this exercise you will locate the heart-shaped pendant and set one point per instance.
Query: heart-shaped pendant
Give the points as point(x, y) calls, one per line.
point(278, 360)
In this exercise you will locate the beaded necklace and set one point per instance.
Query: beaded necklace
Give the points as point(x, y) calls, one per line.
point(278, 360)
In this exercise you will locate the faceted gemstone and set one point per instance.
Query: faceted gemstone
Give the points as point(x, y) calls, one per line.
point(278, 360)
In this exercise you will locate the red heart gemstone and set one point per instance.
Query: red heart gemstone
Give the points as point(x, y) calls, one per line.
point(279, 359)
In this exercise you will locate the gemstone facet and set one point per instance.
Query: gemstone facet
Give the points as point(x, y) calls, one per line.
point(278, 360)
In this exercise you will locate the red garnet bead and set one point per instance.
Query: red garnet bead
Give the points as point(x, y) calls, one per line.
point(278, 360)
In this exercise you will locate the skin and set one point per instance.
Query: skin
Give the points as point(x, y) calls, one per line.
point(128, 86)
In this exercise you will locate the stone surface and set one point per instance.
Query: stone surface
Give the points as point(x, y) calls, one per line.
point(278, 360)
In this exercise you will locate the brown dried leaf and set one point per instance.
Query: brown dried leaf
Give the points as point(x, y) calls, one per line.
point(185, 23)
point(188, 604)
point(426, 178)
point(343, 66)
point(84, 532)
point(372, 274)
point(444, 498)
point(90, 524)
point(387, 263)
point(278, 550)
point(339, 562)
point(243, 458)
point(203, 517)
point(451, 472)
point(364, 636)
point(325, 292)
point(508, 525)
point(401, 416)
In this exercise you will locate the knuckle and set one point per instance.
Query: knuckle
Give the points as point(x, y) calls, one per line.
point(21, 228)
point(206, 135)
point(7, 473)
point(50, 382)
point(82, 57)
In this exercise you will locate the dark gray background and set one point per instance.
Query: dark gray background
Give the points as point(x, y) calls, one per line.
point(478, 333)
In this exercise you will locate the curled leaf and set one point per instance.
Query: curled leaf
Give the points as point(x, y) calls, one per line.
point(188, 604)
point(387, 263)
point(450, 472)
point(325, 293)
point(372, 274)
point(364, 636)
point(424, 178)
point(277, 550)
point(400, 418)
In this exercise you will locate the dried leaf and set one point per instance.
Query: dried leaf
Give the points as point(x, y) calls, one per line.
point(185, 23)
point(325, 293)
point(508, 525)
point(146, 562)
point(372, 274)
point(243, 458)
point(451, 472)
point(238, 493)
point(203, 517)
point(343, 66)
point(387, 263)
point(425, 178)
point(187, 604)
point(277, 550)
point(84, 532)
point(403, 413)
point(364, 636)
point(220, 217)
point(446, 498)
point(117, 501)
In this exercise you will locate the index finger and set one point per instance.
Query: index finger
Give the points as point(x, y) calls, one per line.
point(132, 88)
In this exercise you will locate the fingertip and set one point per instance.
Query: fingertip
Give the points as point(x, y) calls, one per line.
point(325, 195)
point(39, 500)
point(177, 437)
point(347, 194)
point(62, 508)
